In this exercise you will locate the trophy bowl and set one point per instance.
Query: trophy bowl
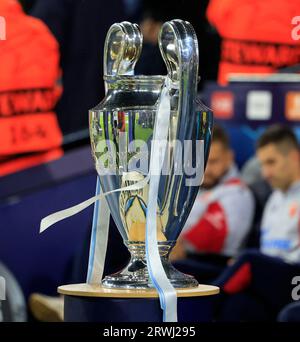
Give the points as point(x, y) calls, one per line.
point(121, 131)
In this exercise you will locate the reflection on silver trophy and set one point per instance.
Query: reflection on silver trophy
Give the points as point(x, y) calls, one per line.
point(121, 130)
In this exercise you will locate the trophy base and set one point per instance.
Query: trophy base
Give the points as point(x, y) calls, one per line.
point(135, 275)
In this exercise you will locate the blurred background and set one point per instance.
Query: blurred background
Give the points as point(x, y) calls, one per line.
point(51, 74)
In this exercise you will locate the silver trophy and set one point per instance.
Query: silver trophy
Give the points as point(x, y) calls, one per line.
point(121, 130)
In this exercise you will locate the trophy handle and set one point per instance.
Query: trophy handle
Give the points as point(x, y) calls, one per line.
point(122, 49)
point(179, 48)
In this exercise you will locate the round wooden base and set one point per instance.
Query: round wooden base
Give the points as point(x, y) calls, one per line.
point(94, 303)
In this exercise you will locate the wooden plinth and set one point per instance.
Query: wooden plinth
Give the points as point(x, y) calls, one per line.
point(94, 303)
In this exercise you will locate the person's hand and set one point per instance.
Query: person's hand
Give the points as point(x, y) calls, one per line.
point(230, 261)
point(178, 252)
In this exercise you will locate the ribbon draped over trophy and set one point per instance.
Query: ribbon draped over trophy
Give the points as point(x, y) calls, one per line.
point(150, 140)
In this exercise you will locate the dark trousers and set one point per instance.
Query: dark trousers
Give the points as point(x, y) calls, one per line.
point(255, 287)
point(204, 267)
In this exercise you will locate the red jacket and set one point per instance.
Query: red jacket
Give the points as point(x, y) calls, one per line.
point(221, 218)
point(257, 35)
point(29, 70)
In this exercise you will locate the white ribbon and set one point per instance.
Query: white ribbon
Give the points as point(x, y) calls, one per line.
point(167, 293)
point(48, 221)
point(98, 246)
point(99, 239)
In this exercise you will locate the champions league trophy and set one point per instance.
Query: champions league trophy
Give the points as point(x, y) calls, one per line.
point(121, 130)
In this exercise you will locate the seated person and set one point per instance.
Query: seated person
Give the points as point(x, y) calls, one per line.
point(259, 283)
point(261, 190)
point(220, 219)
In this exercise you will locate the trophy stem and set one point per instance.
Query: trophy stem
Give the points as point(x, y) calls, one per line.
point(135, 275)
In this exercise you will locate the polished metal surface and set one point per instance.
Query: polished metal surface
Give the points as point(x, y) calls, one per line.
point(123, 46)
point(121, 129)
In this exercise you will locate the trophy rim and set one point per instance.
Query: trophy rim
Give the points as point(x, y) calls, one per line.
point(135, 78)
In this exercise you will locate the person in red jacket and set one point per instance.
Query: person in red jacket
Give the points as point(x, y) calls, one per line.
point(29, 71)
point(256, 35)
point(220, 219)
point(259, 283)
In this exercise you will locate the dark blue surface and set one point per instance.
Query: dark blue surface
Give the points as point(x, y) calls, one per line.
point(290, 313)
point(74, 163)
point(41, 262)
point(97, 309)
